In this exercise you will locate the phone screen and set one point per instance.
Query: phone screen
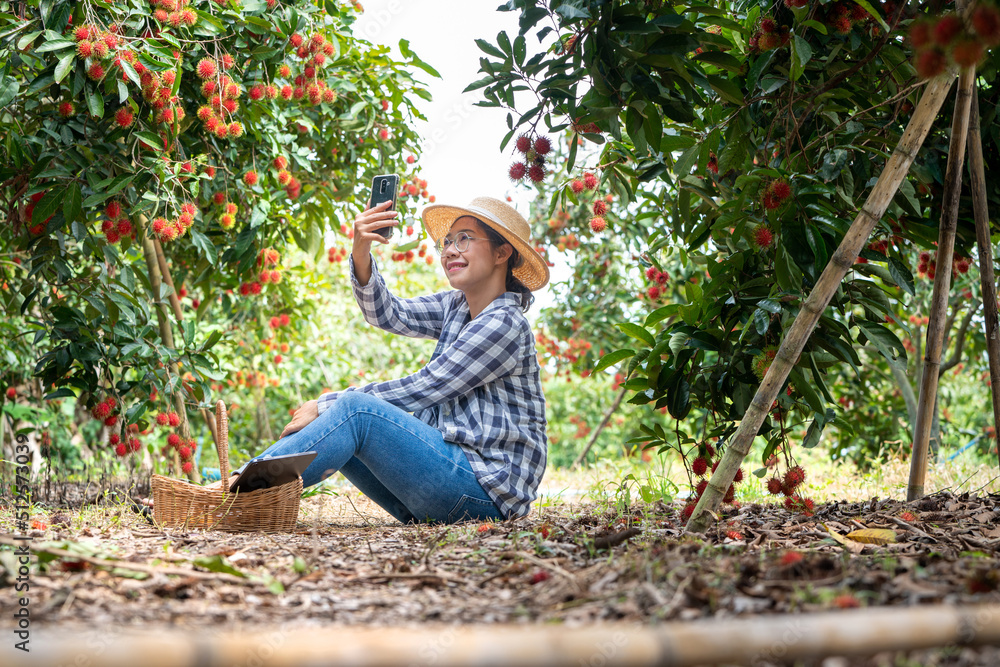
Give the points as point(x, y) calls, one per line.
point(384, 188)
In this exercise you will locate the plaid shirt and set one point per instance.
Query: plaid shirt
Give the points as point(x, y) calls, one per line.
point(482, 387)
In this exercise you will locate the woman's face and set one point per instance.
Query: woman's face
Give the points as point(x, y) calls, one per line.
point(474, 265)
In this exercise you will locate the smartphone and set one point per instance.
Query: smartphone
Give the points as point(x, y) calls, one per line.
point(384, 188)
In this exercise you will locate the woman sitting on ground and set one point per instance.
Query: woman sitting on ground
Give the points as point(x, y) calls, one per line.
point(464, 437)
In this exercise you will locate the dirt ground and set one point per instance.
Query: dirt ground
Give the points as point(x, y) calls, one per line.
point(349, 563)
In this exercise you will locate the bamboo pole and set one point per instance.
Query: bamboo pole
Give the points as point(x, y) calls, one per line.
point(987, 278)
point(166, 335)
point(840, 263)
point(597, 431)
point(161, 259)
point(781, 638)
point(938, 314)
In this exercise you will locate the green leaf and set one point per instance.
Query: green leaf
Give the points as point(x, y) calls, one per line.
point(64, 66)
point(801, 54)
point(9, 88)
point(873, 13)
point(489, 49)
point(720, 59)
point(886, 341)
point(637, 332)
point(95, 102)
point(56, 45)
point(217, 564)
point(48, 205)
point(72, 209)
point(901, 275)
point(726, 89)
point(613, 358)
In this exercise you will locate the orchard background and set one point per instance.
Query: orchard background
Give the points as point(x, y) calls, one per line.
point(179, 178)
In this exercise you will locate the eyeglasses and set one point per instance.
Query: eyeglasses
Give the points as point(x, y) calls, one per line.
point(461, 242)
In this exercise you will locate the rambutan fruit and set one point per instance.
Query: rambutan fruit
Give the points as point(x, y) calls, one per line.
point(227, 61)
point(600, 208)
point(187, 467)
point(124, 117)
point(947, 28)
point(730, 494)
point(226, 221)
point(257, 92)
point(82, 33)
point(768, 25)
point(576, 186)
point(251, 178)
point(763, 237)
point(95, 72)
point(523, 143)
point(653, 292)
point(699, 466)
point(121, 450)
point(536, 173)
point(184, 452)
point(173, 419)
point(781, 190)
point(112, 236)
point(206, 68)
point(295, 40)
point(794, 477)
point(284, 177)
point(114, 439)
point(986, 23)
point(598, 224)
point(542, 145)
point(236, 129)
point(790, 558)
point(270, 91)
point(589, 180)
point(162, 419)
point(174, 440)
point(738, 477)
point(841, 25)
point(99, 50)
point(858, 13)
point(699, 489)
point(968, 53)
point(66, 109)
point(774, 486)
point(124, 228)
point(280, 162)
point(517, 171)
point(768, 41)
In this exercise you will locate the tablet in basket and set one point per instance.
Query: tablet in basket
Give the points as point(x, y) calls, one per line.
point(272, 471)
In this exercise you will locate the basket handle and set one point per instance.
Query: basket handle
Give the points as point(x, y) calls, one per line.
point(222, 444)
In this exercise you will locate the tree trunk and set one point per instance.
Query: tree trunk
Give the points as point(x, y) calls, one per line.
point(987, 278)
point(166, 335)
point(843, 259)
point(597, 431)
point(927, 403)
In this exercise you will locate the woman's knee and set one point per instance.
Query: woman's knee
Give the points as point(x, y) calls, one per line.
point(354, 401)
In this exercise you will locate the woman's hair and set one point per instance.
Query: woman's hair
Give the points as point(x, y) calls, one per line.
point(497, 241)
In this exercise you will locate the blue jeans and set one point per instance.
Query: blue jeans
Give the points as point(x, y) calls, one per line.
point(401, 463)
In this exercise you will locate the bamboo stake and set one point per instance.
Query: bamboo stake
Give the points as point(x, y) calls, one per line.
point(161, 259)
point(166, 335)
point(927, 403)
point(841, 261)
point(781, 638)
point(597, 431)
point(987, 278)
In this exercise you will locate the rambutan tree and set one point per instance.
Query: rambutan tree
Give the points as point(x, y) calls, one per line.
point(737, 142)
point(156, 161)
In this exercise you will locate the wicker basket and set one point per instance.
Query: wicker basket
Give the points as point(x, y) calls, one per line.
point(178, 503)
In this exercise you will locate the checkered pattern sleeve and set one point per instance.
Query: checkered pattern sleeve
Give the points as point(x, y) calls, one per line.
point(420, 317)
point(487, 348)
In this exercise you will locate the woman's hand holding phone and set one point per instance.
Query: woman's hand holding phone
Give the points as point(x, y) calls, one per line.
point(366, 223)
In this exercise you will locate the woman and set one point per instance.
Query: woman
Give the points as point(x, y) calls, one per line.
point(463, 438)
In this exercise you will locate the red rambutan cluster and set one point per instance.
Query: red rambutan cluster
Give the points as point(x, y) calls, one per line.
point(947, 39)
point(776, 193)
point(532, 164)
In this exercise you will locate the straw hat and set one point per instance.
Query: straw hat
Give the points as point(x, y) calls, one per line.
point(503, 219)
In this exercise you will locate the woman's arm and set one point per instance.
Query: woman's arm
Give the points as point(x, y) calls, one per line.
point(422, 317)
